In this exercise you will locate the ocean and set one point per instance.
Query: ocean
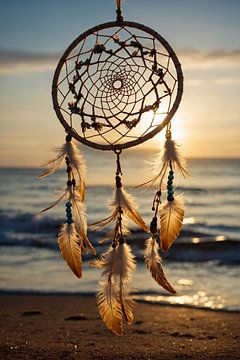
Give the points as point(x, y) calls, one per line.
point(203, 265)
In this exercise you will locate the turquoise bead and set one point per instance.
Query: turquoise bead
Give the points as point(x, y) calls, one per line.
point(169, 187)
point(68, 211)
point(68, 204)
point(170, 177)
point(69, 221)
point(170, 192)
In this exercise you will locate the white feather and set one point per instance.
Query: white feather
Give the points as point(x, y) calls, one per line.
point(70, 248)
point(154, 264)
point(171, 218)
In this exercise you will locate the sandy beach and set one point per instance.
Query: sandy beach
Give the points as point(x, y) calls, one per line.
point(68, 327)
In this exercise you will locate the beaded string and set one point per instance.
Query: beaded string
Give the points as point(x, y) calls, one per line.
point(118, 238)
point(71, 182)
point(170, 190)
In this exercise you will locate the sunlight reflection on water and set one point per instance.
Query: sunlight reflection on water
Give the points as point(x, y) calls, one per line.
point(199, 300)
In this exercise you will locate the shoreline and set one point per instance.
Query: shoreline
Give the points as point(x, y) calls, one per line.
point(92, 295)
point(67, 326)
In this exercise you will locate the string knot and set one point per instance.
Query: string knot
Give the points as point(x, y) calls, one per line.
point(119, 170)
point(118, 182)
point(119, 20)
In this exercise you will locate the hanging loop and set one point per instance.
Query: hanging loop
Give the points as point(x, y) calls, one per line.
point(119, 19)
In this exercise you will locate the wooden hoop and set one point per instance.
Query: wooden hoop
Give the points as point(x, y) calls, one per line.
point(147, 136)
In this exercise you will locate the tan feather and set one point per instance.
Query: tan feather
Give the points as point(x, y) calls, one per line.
point(54, 164)
point(108, 301)
point(112, 234)
point(171, 218)
point(79, 216)
point(63, 196)
point(107, 262)
point(128, 206)
point(118, 265)
point(125, 266)
point(127, 303)
point(105, 222)
point(80, 219)
point(170, 154)
point(71, 251)
point(109, 306)
point(78, 164)
point(154, 265)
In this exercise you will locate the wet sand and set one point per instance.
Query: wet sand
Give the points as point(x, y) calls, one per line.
point(68, 327)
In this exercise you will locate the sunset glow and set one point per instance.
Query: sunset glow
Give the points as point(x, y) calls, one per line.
point(207, 121)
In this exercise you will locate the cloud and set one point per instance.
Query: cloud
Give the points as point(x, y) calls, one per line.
point(18, 62)
point(195, 59)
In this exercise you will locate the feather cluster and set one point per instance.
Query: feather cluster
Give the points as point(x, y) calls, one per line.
point(171, 218)
point(154, 265)
point(72, 239)
point(78, 165)
point(114, 300)
point(129, 208)
point(172, 211)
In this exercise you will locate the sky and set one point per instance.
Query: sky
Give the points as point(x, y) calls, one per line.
point(204, 34)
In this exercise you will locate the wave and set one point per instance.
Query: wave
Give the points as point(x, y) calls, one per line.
point(31, 224)
point(197, 242)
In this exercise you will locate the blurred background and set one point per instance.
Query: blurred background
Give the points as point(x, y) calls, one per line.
point(203, 265)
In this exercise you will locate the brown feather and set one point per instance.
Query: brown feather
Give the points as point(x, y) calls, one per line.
point(171, 218)
point(109, 306)
point(154, 265)
point(71, 251)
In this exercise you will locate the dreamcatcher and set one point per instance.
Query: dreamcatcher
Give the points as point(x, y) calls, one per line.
point(116, 86)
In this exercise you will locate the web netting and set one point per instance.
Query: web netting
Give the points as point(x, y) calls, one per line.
point(116, 86)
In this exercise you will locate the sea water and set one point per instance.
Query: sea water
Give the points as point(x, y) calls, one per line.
point(203, 265)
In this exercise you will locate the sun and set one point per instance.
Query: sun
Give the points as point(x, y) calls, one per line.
point(178, 129)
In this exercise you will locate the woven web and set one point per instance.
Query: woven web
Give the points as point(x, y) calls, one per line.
point(116, 85)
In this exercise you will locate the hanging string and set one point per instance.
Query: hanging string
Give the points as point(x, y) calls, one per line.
point(119, 12)
point(119, 170)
